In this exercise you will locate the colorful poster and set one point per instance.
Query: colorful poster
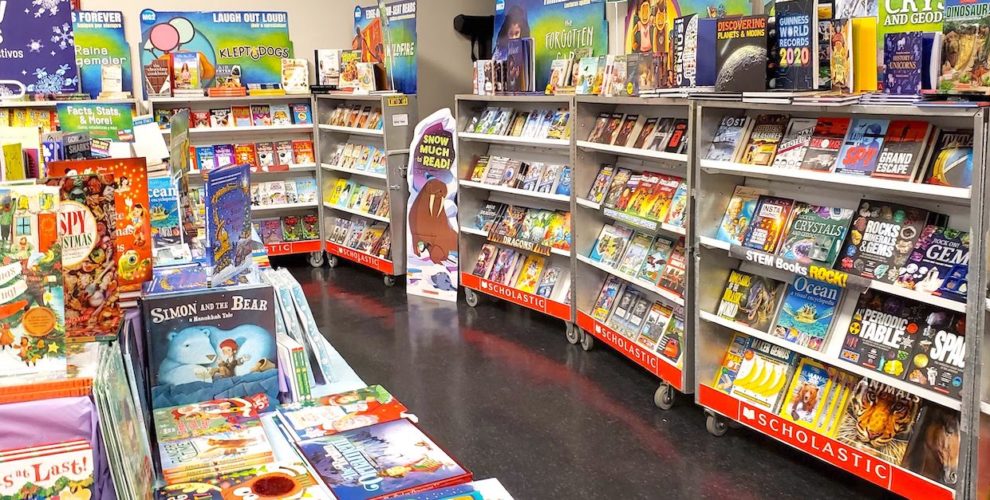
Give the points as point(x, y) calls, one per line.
point(113, 122)
point(558, 30)
point(37, 52)
point(400, 39)
point(100, 41)
point(431, 227)
point(368, 35)
point(255, 41)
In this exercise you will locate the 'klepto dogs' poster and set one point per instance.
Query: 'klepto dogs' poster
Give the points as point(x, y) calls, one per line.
point(216, 343)
point(431, 224)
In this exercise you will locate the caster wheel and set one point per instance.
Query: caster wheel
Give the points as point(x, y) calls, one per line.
point(664, 397)
point(716, 425)
point(471, 297)
point(587, 342)
point(333, 261)
point(389, 280)
point(573, 334)
point(316, 259)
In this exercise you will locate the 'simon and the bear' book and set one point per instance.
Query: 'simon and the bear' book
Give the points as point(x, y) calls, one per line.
point(210, 344)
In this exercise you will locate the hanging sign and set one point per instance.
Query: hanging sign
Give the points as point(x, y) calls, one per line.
point(37, 49)
point(111, 121)
point(100, 41)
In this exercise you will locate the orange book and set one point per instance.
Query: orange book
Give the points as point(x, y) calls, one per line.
point(49, 389)
point(133, 231)
point(246, 154)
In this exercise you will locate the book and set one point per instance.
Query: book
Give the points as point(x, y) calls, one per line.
point(953, 164)
point(186, 71)
point(815, 234)
point(769, 222)
point(220, 118)
point(902, 60)
point(400, 458)
point(861, 147)
point(224, 154)
point(672, 275)
point(841, 70)
point(883, 332)
point(738, 214)
point(864, 32)
point(246, 154)
point(548, 282)
point(302, 152)
point(765, 135)
point(794, 145)
point(888, 442)
point(678, 206)
point(210, 342)
point(962, 71)
point(726, 373)
point(622, 310)
point(209, 417)
point(199, 119)
point(529, 277)
point(693, 43)
point(645, 133)
point(341, 412)
point(807, 312)
point(610, 244)
point(606, 298)
point(47, 471)
point(280, 115)
point(601, 123)
point(741, 54)
point(807, 397)
point(266, 156)
point(763, 374)
point(940, 257)
point(728, 138)
point(823, 150)
point(677, 142)
point(196, 458)
point(938, 360)
point(653, 327)
point(587, 69)
point(302, 114)
point(933, 451)
point(616, 187)
point(635, 254)
point(655, 260)
point(750, 299)
point(902, 150)
point(241, 116)
point(671, 340)
point(261, 115)
point(158, 78)
point(797, 26)
point(881, 238)
point(290, 480)
point(228, 220)
point(596, 194)
point(629, 123)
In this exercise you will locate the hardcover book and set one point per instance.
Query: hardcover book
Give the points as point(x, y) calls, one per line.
point(861, 148)
point(823, 150)
point(211, 343)
point(939, 263)
point(815, 234)
point(728, 138)
point(794, 145)
point(228, 221)
point(769, 222)
point(902, 60)
point(884, 331)
point(741, 54)
point(766, 134)
point(934, 446)
point(806, 398)
point(341, 412)
point(963, 26)
point(763, 374)
point(738, 214)
point(903, 149)
point(841, 68)
point(939, 357)
point(807, 312)
point(750, 299)
point(890, 442)
point(62, 470)
point(693, 43)
point(881, 238)
point(953, 164)
point(797, 38)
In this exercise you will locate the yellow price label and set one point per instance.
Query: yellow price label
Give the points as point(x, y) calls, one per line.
point(397, 100)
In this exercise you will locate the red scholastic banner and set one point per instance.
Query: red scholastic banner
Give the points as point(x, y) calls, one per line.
point(362, 258)
point(648, 360)
point(517, 297)
point(293, 247)
point(845, 457)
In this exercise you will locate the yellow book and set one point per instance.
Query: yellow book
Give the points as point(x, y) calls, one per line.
point(334, 194)
point(4, 117)
point(864, 54)
point(13, 162)
point(848, 381)
point(532, 269)
point(19, 117)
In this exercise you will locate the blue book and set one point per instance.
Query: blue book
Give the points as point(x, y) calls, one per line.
point(302, 114)
point(166, 228)
point(228, 220)
point(902, 62)
point(564, 186)
point(807, 312)
point(861, 149)
point(205, 158)
point(694, 40)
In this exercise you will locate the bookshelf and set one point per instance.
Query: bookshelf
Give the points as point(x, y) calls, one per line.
point(399, 118)
point(472, 196)
point(590, 216)
point(258, 134)
point(714, 185)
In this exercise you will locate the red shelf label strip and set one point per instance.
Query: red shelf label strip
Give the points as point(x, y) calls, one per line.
point(293, 247)
point(648, 360)
point(517, 297)
point(361, 258)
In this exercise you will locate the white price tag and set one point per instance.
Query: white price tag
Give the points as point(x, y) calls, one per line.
point(400, 120)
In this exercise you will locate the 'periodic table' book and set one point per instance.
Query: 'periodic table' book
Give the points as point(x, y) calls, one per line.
point(881, 238)
point(903, 150)
point(397, 456)
point(815, 234)
point(939, 264)
point(86, 221)
point(861, 149)
point(884, 332)
point(228, 220)
point(211, 343)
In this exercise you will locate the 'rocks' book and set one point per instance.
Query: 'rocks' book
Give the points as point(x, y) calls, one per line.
point(815, 234)
point(741, 54)
point(807, 311)
point(939, 264)
point(86, 222)
point(210, 344)
point(228, 220)
point(342, 412)
point(32, 298)
point(881, 238)
point(382, 461)
point(132, 205)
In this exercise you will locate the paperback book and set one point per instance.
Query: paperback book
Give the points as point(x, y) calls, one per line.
point(794, 145)
point(728, 137)
point(903, 150)
point(761, 146)
point(769, 222)
point(763, 374)
point(341, 412)
point(206, 418)
point(953, 164)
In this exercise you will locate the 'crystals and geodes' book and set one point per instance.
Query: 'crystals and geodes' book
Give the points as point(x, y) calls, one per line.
point(211, 344)
point(86, 222)
point(880, 239)
point(815, 234)
point(741, 54)
point(31, 293)
point(381, 461)
point(807, 312)
point(888, 443)
point(342, 412)
point(939, 264)
point(228, 220)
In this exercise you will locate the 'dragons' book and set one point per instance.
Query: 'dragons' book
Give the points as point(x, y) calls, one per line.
point(228, 220)
point(210, 344)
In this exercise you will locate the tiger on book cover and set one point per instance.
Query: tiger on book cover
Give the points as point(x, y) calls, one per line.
point(879, 420)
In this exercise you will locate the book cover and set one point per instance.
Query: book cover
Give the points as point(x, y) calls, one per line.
point(807, 312)
point(621, 312)
point(341, 412)
point(601, 123)
point(939, 357)
point(266, 156)
point(199, 457)
point(861, 147)
point(86, 228)
point(750, 299)
point(241, 116)
point(883, 332)
point(486, 260)
point(726, 373)
point(292, 229)
point(953, 164)
point(963, 27)
point(940, 257)
point(205, 158)
point(548, 282)
point(610, 244)
point(228, 220)
point(806, 399)
point(209, 417)
point(902, 150)
point(301, 114)
point(58, 471)
point(186, 71)
point(693, 43)
point(246, 154)
point(761, 145)
point(281, 115)
point(741, 54)
point(270, 231)
point(887, 442)
point(655, 260)
point(728, 137)
point(902, 60)
point(587, 69)
point(529, 277)
point(221, 118)
point(880, 239)
point(672, 340)
point(606, 298)
point(628, 191)
point(209, 344)
point(672, 275)
point(738, 214)
point(199, 119)
point(625, 130)
point(282, 480)
point(841, 70)
point(677, 142)
point(302, 152)
point(823, 150)
point(794, 145)
point(763, 374)
point(163, 198)
point(815, 234)
point(654, 326)
point(797, 39)
point(635, 254)
point(616, 187)
point(601, 183)
point(645, 133)
point(659, 202)
point(261, 115)
point(678, 206)
point(934, 448)
point(224, 154)
point(395, 456)
point(769, 222)
point(283, 153)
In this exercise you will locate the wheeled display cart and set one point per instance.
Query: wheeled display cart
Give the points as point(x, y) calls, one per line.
point(591, 216)
point(255, 134)
point(715, 182)
point(399, 118)
point(473, 195)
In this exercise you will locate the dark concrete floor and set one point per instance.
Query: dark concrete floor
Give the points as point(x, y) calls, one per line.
point(504, 393)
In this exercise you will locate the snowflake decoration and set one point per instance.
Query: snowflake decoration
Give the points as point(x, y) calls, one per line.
point(63, 36)
point(5, 91)
point(51, 83)
point(35, 46)
point(43, 6)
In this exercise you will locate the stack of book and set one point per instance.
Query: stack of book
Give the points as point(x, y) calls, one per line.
point(57, 470)
point(530, 229)
point(648, 195)
point(288, 229)
point(656, 260)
